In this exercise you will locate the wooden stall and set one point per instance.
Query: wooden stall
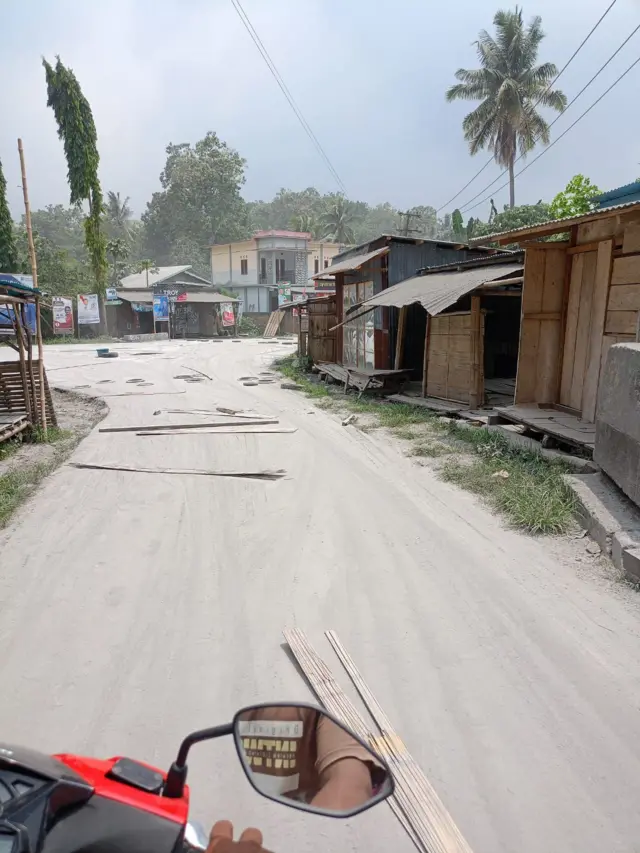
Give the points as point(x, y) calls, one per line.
point(580, 296)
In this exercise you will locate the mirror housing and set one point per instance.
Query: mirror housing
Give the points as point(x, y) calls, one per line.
point(300, 756)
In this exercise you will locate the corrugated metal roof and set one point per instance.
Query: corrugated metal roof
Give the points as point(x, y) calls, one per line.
point(350, 264)
point(136, 295)
point(554, 226)
point(191, 296)
point(138, 280)
point(436, 291)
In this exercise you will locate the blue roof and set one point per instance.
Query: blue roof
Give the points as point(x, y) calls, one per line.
point(620, 195)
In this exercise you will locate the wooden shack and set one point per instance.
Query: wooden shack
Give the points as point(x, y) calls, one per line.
point(314, 319)
point(581, 295)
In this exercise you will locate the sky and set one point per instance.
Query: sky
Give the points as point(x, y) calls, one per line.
point(369, 78)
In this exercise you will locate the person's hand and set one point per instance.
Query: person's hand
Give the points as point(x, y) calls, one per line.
point(221, 840)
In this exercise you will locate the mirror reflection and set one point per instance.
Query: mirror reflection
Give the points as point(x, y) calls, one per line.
point(300, 756)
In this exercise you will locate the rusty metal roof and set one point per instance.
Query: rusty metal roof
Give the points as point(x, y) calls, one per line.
point(554, 226)
point(439, 290)
point(350, 264)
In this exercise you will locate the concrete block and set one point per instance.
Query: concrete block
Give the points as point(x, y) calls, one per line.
point(617, 445)
point(631, 564)
point(602, 510)
point(621, 541)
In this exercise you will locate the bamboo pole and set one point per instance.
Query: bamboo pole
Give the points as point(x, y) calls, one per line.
point(23, 365)
point(34, 273)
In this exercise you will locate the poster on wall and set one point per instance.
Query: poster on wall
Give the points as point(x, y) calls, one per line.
point(160, 308)
point(6, 318)
point(284, 292)
point(88, 309)
point(227, 314)
point(62, 315)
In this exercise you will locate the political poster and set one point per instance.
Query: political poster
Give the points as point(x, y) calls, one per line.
point(284, 292)
point(62, 315)
point(160, 308)
point(88, 309)
point(228, 318)
point(6, 318)
point(111, 296)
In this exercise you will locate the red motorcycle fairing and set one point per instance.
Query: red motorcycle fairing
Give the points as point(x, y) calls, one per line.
point(94, 772)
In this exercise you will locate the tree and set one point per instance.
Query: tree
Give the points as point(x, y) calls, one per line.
point(77, 130)
point(118, 251)
point(457, 224)
point(200, 201)
point(118, 215)
point(8, 250)
point(63, 226)
point(307, 222)
point(510, 86)
point(576, 198)
point(512, 217)
point(59, 273)
point(338, 221)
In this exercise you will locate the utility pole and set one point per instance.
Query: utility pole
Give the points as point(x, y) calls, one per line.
point(406, 229)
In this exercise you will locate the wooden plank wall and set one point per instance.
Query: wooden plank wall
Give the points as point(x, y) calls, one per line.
point(322, 342)
point(449, 361)
point(12, 392)
point(541, 330)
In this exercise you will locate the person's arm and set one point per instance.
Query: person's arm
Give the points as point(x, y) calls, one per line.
point(344, 785)
point(344, 769)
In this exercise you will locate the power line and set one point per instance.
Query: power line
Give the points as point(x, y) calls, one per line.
point(555, 79)
point(571, 102)
point(564, 133)
point(285, 90)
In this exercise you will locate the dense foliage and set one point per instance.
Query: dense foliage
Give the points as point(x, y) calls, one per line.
point(576, 198)
point(8, 251)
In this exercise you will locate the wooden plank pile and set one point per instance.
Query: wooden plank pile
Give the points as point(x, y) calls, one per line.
point(12, 391)
point(273, 325)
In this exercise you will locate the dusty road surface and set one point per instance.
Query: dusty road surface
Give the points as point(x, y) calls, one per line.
point(135, 607)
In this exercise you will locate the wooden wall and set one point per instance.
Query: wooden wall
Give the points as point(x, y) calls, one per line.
point(322, 342)
point(541, 327)
point(455, 356)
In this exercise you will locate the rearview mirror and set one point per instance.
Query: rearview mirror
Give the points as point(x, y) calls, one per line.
point(302, 757)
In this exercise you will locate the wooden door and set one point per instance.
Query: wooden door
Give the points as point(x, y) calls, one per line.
point(321, 319)
point(584, 329)
point(449, 367)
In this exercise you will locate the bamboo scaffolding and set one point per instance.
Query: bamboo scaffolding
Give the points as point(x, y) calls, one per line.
point(34, 273)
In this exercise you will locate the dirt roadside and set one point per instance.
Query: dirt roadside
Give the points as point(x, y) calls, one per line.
point(23, 466)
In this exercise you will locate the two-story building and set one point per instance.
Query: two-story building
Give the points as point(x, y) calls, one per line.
point(252, 269)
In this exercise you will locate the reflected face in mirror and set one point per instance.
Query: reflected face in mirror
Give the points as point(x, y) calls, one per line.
point(302, 757)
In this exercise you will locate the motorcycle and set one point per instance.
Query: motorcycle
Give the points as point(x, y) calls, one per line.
point(66, 803)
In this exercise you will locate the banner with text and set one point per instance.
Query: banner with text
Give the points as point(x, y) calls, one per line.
point(88, 309)
point(160, 308)
point(62, 315)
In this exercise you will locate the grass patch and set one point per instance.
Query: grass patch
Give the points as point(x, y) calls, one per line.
point(534, 496)
point(431, 449)
point(293, 368)
point(54, 434)
point(16, 486)
point(403, 432)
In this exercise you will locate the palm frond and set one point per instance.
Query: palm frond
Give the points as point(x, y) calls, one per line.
point(533, 129)
point(554, 98)
point(466, 92)
point(538, 76)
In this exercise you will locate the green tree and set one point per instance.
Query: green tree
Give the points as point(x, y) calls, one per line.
point(118, 216)
point(199, 204)
point(77, 130)
point(510, 86)
point(63, 226)
point(338, 221)
point(285, 205)
point(513, 217)
point(576, 198)
point(8, 251)
point(118, 252)
point(59, 272)
point(307, 222)
point(457, 224)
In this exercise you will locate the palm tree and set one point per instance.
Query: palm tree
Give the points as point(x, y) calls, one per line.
point(305, 221)
point(118, 214)
point(510, 86)
point(338, 221)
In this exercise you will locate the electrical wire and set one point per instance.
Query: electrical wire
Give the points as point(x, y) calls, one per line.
point(555, 79)
point(237, 5)
point(564, 133)
point(465, 206)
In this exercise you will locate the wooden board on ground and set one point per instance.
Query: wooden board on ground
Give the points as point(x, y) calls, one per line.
point(273, 324)
point(12, 425)
point(561, 425)
point(440, 406)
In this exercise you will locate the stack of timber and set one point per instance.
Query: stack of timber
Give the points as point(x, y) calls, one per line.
point(15, 400)
point(273, 326)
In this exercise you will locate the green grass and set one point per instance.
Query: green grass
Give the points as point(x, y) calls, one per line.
point(54, 434)
point(431, 449)
point(533, 497)
point(16, 486)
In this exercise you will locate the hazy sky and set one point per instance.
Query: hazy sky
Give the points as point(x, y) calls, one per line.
point(369, 77)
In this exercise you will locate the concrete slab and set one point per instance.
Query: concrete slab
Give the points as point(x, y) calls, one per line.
point(604, 511)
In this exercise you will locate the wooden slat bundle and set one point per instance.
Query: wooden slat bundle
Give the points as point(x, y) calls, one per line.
point(415, 802)
point(13, 392)
point(271, 329)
